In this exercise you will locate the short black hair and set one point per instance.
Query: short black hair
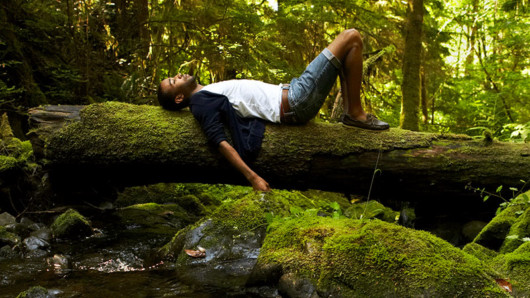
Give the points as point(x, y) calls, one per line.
point(167, 99)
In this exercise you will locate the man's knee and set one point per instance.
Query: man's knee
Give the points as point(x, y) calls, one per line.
point(353, 37)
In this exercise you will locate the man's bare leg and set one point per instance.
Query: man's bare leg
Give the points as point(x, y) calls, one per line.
point(348, 48)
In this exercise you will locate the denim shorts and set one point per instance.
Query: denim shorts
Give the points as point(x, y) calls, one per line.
point(308, 92)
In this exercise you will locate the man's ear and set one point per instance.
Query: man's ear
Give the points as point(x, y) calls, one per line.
point(179, 98)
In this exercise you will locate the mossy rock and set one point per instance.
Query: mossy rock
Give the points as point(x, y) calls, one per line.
point(232, 236)
point(35, 292)
point(480, 252)
point(209, 196)
point(157, 218)
point(8, 238)
point(17, 153)
point(494, 233)
point(325, 197)
point(371, 209)
point(516, 268)
point(520, 230)
point(7, 163)
point(347, 258)
point(71, 224)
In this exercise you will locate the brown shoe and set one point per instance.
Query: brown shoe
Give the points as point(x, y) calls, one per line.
point(371, 122)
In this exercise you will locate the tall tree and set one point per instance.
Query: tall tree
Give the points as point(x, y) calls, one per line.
point(411, 85)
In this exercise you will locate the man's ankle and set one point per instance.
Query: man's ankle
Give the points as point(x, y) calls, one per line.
point(361, 116)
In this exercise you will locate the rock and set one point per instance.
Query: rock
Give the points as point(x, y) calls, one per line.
point(371, 209)
point(230, 256)
point(8, 237)
point(156, 218)
point(494, 233)
point(33, 243)
point(196, 196)
point(519, 233)
point(407, 216)
point(30, 224)
point(471, 229)
point(372, 258)
point(36, 254)
point(35, 292)
point(71, 224)
point(7, 253)
point(515, 267)
point(449, 231)
point(7, 219)
point(59, 263)
point(293, 286)
point(44, 234)
point(232, 236)
point(480, 252)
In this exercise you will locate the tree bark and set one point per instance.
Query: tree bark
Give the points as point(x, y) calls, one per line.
point(130, 144)
point(410, 87)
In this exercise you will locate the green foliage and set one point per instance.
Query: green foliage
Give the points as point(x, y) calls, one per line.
point(475, 58)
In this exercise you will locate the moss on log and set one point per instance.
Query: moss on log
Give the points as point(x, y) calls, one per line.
point(146, 142)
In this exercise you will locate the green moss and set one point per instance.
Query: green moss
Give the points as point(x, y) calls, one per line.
point(324, 197)
point(157, 218)
point(174, 247)
point(371, 209)
point(519, 231)
point(254, 211)
point(17, 154)
point(8, 237)
point(516, 267)
point(32, 292)
point(71, 224)
point(494, 233)
point(375, 259)
point(7, 163)
point(480, 252)
point(194, 198)
point(114, 131)
point(5, 129)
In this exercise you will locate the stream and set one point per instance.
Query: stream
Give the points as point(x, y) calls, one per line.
point(118, 261)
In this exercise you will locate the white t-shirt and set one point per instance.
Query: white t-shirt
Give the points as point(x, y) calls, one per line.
point(251, 98)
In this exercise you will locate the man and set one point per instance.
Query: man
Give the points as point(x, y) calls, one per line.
point(245, 104)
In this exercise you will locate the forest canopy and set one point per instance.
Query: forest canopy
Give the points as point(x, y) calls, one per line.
point(474, 70)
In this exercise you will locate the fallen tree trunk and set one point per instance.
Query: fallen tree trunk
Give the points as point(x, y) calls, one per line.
point(134, 144)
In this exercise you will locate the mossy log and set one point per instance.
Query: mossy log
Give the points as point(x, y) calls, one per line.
point(138, 144)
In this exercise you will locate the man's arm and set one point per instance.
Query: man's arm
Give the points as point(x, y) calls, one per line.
point(233, 157)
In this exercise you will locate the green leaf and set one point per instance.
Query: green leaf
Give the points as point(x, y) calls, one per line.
point(499, 189)
point(513, 189)
point(486, 198)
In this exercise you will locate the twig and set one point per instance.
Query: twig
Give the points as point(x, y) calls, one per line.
point(372, 182)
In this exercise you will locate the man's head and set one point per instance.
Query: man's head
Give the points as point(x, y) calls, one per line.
point(174, 92)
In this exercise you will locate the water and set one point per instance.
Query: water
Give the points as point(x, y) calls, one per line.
point(119, 261)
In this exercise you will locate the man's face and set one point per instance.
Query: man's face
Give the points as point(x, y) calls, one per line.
point(179, 84)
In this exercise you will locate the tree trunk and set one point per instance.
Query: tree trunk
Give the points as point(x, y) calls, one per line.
point(410, 87)
point(132, 144)
point(424, 98)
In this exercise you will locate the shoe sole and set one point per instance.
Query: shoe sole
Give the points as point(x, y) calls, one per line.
point(351, 126)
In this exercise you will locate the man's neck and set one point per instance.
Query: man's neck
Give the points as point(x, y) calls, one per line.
point(197, 89)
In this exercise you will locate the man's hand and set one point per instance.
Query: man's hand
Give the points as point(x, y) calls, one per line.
point(259, 184)
point(233, 157)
